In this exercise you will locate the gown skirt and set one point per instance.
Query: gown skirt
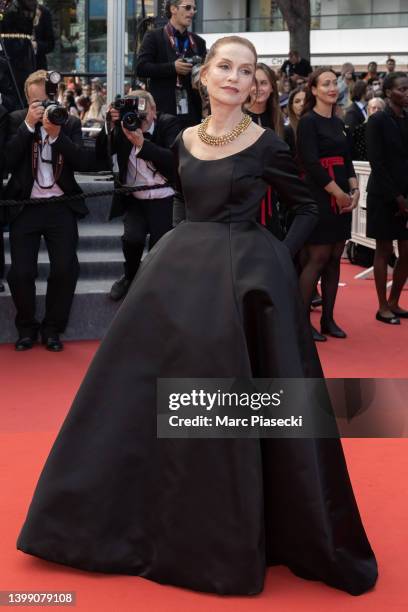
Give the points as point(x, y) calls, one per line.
point(211, 299)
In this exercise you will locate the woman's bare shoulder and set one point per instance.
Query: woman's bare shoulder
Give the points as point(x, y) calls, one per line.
point(189, 135)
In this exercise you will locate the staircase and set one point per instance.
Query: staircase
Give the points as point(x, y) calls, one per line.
point(101, 263)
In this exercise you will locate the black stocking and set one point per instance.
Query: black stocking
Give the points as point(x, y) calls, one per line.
point(318, 258)
point(330, 281)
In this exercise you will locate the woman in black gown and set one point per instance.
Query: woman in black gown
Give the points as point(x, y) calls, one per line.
point(216, 297)
point(325, 158)
point(265, 110)
point(387, 197)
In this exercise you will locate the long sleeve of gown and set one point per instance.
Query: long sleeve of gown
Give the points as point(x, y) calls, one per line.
point(281, 172)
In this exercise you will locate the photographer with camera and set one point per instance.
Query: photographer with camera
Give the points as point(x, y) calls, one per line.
point(141, 139)
point(169, 57)
point(44, 148)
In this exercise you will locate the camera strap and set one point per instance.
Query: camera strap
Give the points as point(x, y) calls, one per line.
point(175, 43)
point(37, 148)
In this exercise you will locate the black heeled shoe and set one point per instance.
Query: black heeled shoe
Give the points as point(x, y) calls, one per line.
point(316, 336)
point(332, 329)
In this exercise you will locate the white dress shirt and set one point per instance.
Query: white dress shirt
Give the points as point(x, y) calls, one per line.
point(139, 173)
point(45, 172)
point(363, 108)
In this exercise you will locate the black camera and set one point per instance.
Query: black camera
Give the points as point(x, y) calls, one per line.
point(132, 112)
point(57, 114)
point(196, 62)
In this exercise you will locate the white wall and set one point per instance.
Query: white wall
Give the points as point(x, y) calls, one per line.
point(335, 46)
point(227, 9)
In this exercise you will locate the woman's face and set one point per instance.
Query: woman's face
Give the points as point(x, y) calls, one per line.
point(286, 86)
point(326, 90)
point(264, 86)
point(230, 74)
point(399, 93)
point(298, 102)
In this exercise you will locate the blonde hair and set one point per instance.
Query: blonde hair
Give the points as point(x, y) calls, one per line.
point(145, 95)
point(226, 40)
point(37, 77)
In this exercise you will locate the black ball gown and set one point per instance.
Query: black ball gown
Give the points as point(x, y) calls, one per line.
point(216, 297)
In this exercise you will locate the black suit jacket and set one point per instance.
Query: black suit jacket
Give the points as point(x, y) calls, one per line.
point(155, 61)
point(354, 116)
point(387, 152)
point(44, 36)
point(156, 150)
point(19, 161)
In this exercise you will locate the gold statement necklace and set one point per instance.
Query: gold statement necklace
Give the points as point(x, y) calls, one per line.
point(219, 141)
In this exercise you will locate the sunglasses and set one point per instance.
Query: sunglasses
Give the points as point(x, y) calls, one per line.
point(188, 7)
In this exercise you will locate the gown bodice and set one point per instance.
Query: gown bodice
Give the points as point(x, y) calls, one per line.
point(230, 190)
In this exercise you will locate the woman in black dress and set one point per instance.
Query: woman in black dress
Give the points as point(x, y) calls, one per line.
point(215, 297)
point(325, 158)
point(265, 110)
point(295, 107)
point(387, 197)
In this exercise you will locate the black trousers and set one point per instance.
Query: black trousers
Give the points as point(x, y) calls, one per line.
point(143, 217)
point(57, 223)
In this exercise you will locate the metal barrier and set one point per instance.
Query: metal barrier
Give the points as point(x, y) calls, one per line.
point(359, 222)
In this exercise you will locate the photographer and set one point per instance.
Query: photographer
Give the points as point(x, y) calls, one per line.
point(167, 56)
point(44, 148)
point(144, 158)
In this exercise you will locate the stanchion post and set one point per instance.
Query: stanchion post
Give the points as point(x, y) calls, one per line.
point(116, 48)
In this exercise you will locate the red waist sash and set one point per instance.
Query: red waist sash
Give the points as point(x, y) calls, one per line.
point(328, 163)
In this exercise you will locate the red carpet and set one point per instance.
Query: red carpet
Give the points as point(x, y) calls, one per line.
point(36, 392)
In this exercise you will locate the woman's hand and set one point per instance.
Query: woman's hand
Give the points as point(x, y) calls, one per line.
point(355, 196)
point(344, 201)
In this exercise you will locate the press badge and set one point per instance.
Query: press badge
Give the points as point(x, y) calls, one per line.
point(181, 101)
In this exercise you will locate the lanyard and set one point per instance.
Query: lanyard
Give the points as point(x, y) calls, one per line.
point(36, 152)
point(175, 43)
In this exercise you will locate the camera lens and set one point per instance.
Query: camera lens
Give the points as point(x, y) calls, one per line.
point(131, 122)
point(57, 115)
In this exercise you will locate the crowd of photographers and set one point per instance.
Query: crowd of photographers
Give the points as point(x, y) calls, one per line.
point(41, 148)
